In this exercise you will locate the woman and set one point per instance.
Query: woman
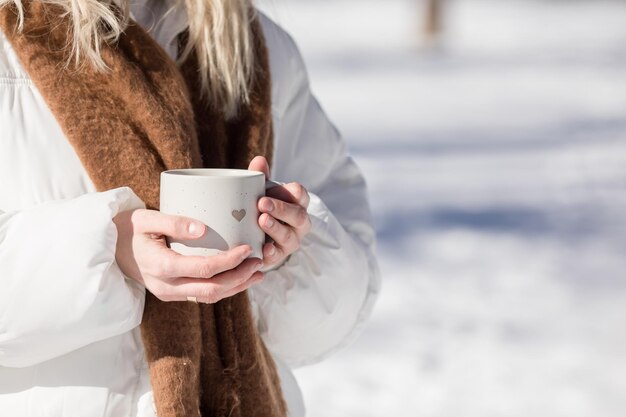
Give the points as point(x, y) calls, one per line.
point(96, 99)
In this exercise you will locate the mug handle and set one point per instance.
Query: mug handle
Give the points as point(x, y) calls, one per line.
point(271, 184)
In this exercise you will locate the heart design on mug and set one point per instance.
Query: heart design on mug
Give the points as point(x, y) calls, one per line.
point(239, 214)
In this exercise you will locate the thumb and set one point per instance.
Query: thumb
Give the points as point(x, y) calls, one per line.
point(177, 227)
point(259, 163)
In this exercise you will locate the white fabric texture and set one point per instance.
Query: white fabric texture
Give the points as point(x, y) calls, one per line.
point(69, 338)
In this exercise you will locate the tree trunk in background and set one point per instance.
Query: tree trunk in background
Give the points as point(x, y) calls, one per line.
point(432, 20)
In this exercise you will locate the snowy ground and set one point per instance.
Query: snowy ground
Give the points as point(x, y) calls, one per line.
point(497, 169)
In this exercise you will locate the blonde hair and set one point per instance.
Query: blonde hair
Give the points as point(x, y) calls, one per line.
point(219, 34)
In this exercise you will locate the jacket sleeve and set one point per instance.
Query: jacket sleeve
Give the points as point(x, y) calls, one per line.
point(60, 288)
point(319, 299)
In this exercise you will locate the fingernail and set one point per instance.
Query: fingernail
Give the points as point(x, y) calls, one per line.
point(271, 251)
point(247, 252)
point(196, 229)
point(258, 266)
point(269, 222)
point(268, 205)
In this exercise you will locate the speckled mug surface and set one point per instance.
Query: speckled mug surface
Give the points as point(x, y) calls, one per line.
point(225, 200)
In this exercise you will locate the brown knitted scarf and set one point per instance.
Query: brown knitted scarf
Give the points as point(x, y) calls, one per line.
point(127, 126)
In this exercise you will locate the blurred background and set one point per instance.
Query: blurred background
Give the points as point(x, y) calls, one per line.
point(493, 138)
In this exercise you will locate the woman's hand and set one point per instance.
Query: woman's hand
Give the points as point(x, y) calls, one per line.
point(284, 216)
point(142, 254)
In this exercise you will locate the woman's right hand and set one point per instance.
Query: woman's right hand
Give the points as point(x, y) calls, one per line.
point(142, 254)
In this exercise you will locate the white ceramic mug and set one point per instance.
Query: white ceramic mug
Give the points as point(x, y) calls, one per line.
point(225, 200)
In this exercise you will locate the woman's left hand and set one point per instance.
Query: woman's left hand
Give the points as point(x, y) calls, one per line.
point(283, 218)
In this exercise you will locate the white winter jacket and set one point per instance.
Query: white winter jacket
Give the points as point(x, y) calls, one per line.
point(69, 339)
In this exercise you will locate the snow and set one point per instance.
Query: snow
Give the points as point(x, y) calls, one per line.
point(496, 163)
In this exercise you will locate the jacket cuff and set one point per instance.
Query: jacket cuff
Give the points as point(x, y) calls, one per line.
point(61, 286)
point(309, 307)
